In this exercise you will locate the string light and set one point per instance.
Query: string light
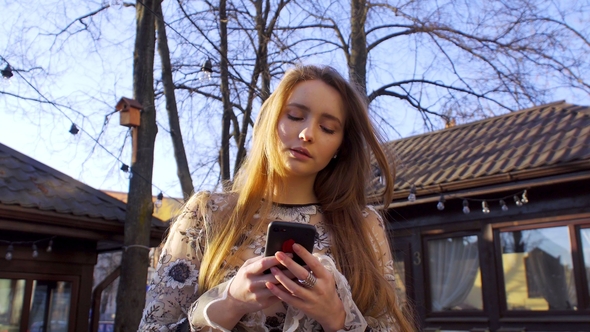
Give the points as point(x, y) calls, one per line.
point(159, 198)
point(9, 251)
point(484, 207)
point(74, 130)
point(441, 203)
point(466, 207)
point(206, 71)
point(7, 72)
point(520, 198)
point(503, 205)
point(34, 245)
point(412, 195)
point(524, 198)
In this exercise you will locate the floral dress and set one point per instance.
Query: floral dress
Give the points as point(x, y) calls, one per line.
point(173, 295)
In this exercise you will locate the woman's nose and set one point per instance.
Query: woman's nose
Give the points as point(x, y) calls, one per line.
point(306, 134)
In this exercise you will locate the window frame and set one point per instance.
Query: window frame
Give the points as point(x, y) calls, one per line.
point(28, 294)
point(475, 316)
point(573, 225)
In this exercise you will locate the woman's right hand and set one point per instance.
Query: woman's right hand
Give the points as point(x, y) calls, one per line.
point(248, 291)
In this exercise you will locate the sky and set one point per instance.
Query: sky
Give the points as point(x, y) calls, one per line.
point(89, 77)
point(77, 72)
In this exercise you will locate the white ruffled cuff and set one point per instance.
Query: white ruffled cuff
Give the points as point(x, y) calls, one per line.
point(354, 321)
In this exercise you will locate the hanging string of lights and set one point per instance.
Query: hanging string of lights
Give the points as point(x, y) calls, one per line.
point(75, 130)
point(520, 198)
point(34, 245)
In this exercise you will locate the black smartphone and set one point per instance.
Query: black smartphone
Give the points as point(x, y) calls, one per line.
point(281, 236)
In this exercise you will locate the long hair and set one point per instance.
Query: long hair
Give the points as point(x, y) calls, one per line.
point(339, 187)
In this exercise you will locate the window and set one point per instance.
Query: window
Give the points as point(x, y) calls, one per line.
point(50, 306)
point(12, 293)
point(538, 269)
point(455, 277)
point(585, 235)
point(45, 302)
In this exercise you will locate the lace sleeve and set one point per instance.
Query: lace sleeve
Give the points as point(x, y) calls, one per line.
point(173, 287)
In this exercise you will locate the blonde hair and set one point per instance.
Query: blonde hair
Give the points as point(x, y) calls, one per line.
point(341, 203)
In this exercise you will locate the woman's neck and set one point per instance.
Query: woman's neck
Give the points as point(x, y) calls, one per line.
point(296, 191)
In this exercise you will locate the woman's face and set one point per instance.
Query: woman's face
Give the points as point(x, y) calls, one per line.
point(310, 128)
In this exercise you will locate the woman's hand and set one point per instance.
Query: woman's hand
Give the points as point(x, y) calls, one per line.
point(320, 302)
point(248, 292)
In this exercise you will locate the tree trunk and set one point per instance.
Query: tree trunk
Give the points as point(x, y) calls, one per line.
point(357, 62)
point(182, 169)
point(225, 95)
point(135, 260)
point(262, 70)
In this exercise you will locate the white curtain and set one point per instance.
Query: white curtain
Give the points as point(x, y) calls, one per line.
point(454, 263)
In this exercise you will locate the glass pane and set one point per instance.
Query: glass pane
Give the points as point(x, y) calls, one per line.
point(538, 269)
point(455, 278)
point(586, 249)
point(11, 304)
point(106, 264)
point(400, 273)
point(50, 306)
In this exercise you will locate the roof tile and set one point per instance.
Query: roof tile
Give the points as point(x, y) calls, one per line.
point(28, 183)
point(546, 135)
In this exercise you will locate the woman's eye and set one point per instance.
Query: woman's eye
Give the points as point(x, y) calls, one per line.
point(328, 131)
point(294, 118)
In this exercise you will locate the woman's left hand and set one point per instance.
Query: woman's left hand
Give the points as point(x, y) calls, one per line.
point(321, 301)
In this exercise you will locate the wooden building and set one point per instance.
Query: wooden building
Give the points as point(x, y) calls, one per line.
point(52, 229)
point(498, 235)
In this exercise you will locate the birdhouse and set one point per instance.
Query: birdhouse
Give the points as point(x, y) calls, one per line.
point(129, 112)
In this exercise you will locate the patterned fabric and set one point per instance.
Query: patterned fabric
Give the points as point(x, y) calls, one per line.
point(172, 294)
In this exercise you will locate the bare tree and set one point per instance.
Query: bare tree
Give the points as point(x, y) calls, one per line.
point(182, 168)
point(249, 57)
point(460, 59)
point(135, 257)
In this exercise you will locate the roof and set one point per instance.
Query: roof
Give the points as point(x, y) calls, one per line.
point(544, 137)
point(169, 209)
point(28, 183)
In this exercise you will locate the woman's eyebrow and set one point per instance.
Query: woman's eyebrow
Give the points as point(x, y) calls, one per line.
point(331, 117)
point(301, 106)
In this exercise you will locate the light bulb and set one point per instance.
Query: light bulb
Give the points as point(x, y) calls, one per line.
point(524, 198)
point(484, 207)
point(9, 252)
point(441, 203)
point(204, 76)
point(503, 205)
point(35, 252)
point(466, 207)
point(49, 246)
point(412, 195)
point(517, 201)
point(158, 203)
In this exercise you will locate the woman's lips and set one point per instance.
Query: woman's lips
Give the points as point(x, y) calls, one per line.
point(301, 153)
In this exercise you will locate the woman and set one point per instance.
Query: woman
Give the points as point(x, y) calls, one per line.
point(309, 163)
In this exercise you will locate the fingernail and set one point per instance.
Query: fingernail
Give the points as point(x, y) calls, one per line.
point(280, 255)
point(296, 247)
point(274, 270)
